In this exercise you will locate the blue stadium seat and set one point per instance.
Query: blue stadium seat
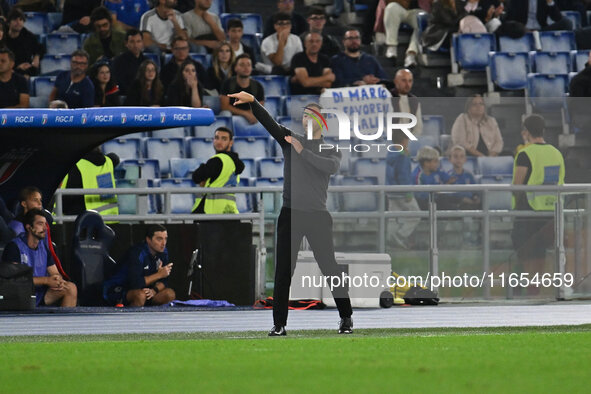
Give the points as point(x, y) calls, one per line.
point(53, 64)
point(250, 147)
point(184, 167)
point(244, 201)
point(579, 59)
point(164, 149)
point(471, 50)
point(218, 7)
point(294, 105)
point(498, 200)
point(433, 125)
point(128, 202)
point(294, 124)
point(522, 44)
point(470, 165)
point(509, 70)
point(253, 41)
point(202, 58)
point(140, 168)
point(154, 57)
point(270, 167)
point(59, 43)
point(212, 102)
point(54, 19)
point(550, 62)
point(253, 23)
point(274, 148)
point(243, 128)
point(42, 86)
point(546, 91)
point(37, 22)
point(200, 148)
point(176, 132)
point(557, 41)
point(445, 142)
point(366, 166)
point(359, 201)
point(274, 85)
point(274, 105)
point(209, 131)
point(179, 203)
point(249, 168)
point(39, 102)
point(125, 148)
point(500, 165)
point(269, 198)
point(128, 11)
point(424, 140)
point(574, 17)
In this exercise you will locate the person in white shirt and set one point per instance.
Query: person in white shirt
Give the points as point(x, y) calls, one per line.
point(278, 49)
point(160, 25)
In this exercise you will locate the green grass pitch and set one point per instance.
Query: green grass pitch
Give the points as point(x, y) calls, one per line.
point(484, 360)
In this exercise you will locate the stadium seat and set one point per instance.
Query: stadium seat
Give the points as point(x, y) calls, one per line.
point(546, 91)
point(270, 167)
point(269, 198)
point(250, 147)
point(58, 43)
point(55, 20)
point(184, 167)
point(294, 125)
point(509, 70)
point(470, 165)
point(140, 168)
point(253, 23)
point(39, 102)
point(433, 125)
point(53, 64)
point(574, 17)
point(579, 59)
point(359, 201)
point(37, 23)
point(244, 201)
point(242, 128)
point(366, 166)
point(202, 58)
point(274, 105)
point(218, 7)
point(212, 102)
point(274, 85)
point(200, 148)
point(153, 57)
point(164, 149)
point(209, 131)
point(274, 148)
point(557, 41)
point(445, 142)
point(125, 148)
point(179, 203)
point(498, 200)
point(294, 105)
point(424, 140)
point(176, 132)
point(42, 86)
point(249, 169)
point(522, 44)
point(254, 42)
point(492, 166)
point(470, 51)
point(550, 62)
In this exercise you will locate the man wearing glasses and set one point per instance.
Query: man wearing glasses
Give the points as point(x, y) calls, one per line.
point(180, 53)
point(354, 67)
point(316, 21)
point(73, 86)
point(298, 23)
point(278, 49)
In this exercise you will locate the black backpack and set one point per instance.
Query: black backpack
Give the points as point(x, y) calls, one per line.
point(16, 287)
point(419, 296)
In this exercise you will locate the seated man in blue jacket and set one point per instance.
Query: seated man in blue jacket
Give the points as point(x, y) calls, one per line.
point(142, 278)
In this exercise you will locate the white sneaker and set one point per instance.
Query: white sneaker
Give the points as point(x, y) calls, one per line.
point(391, 52)
point(410, 60)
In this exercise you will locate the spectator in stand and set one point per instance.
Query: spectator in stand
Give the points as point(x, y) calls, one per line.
point(3, 29)
point(24, 44)
point(580, 85)
point(73, 86)
point(235, 33)
point(29, 197)
point(428, 173)
point(125, 65)
point(146, 90)
point(14, 89)
point(127, 13)
point(241, 81)
point(461, 176)
point(404, 101)
point(475, 131)
point(160, 25)
point(444, 21)
point(311, 69)
point(180, 53)
point(106, 91)
point(185, 90)
point(298, 22)
point(536, 18)
point(278, 48)
point(221, 66)
point(203, 27)
point(354, 67)
point(76, 15)
point(104, 42)
point(316, 21)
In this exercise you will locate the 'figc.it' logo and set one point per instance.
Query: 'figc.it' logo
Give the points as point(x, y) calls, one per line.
point(123, 118)
point(44, 119)
point(84, 118)
point(4, 119)
point(162, 117)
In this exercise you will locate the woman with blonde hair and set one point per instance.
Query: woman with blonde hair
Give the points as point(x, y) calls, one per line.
point(221, 66)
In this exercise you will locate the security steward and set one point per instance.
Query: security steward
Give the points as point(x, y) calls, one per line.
point(538, 163)
point(221, 170)
point(93, 171)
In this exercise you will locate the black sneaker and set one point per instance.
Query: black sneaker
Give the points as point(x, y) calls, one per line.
point(346, 326)
point(278, 331)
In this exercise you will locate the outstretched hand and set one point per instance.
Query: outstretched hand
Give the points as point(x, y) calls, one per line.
point(297, 145)
point(242, 97)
